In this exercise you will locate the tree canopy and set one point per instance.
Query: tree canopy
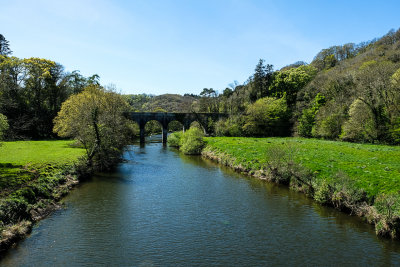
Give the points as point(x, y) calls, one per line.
point(95, 118)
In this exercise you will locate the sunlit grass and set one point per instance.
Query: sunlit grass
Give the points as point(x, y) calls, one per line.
point(39, 152)
point(375, 168)
point(22, 161)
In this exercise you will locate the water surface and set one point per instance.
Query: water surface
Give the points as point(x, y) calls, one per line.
point(161, 208)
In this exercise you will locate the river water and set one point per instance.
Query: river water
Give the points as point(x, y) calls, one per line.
point(161, 208)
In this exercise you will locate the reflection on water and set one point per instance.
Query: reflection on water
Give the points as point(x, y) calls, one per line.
point(162, 208)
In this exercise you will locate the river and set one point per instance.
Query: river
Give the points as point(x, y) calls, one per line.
point(161, 208)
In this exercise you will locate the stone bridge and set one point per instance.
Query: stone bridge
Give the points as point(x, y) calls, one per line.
point(164, 118)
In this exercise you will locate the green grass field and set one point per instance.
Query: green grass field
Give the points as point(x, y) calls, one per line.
point(22, 161)
point(375, 168)
point(39, 152)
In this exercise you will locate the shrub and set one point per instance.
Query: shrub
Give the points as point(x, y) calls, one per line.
point(388, 220)
point(192, 141)
point(174, 139)
point(13, 210)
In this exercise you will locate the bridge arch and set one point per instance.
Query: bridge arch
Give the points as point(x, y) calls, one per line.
point(164, 118)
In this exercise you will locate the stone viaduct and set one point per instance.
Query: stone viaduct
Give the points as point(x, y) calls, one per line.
point(164, 118)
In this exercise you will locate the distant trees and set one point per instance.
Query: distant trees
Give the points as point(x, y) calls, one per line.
point(260, 81)
point(209, 101)
point(307, 119)
point(31, 93)
point(267, 117)
point(95, 118)
point(3, 125)
point(290, 81)
point(4, 46)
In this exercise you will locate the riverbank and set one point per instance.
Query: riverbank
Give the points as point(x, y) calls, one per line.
point(356, 178)
point(34, 176)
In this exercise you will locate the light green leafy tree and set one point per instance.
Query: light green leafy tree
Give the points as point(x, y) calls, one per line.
point(289, 82)
point(95, 118)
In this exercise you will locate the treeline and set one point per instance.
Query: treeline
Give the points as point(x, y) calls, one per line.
point(40, 100)
point(349, 92)
point(32, 91)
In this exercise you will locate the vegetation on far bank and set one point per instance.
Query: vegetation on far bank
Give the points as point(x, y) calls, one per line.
point(189, 142)
point(359, 178)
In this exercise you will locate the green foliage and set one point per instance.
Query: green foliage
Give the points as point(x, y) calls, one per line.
point(307, 119)
point(3, 125)
point(174, 139)
point(13, 210)
point(360, 126)
point(4, 46)
point(328, 126)
point(261, 80)
point(388, 209)
point(31, 93)
point(192, 142)
point(289, 82)
point(230, 127)
point(95, 118)
point(267, 117)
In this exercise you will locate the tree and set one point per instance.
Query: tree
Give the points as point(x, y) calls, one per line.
point(95, 118)
point(289, 82)
point(307, 119)
point(4, 46)
point(260, 81)
point(268, 116)
point(360, 125)
point(209, 100)
point(376, 90)
point(3, 125)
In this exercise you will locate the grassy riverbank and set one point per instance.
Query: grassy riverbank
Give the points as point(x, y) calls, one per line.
point(33, 176)
point(358, 178)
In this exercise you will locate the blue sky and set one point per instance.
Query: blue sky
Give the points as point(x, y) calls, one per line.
point(177, 46)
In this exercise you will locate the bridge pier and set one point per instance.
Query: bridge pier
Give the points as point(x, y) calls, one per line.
point(164, 134)
point(164, 118)
point(142, 133)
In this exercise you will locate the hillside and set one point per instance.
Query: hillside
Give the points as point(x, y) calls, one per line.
point(349, 92)
point(165, 102)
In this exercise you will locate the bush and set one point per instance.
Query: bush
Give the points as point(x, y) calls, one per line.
point(174, 139)
point(388, 219)
point(192, 141)
point(13, 210)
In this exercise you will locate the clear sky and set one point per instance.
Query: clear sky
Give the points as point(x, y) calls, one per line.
point(183, 46)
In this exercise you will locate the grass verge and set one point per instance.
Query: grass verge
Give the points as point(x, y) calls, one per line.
point(358, 178)
point(34, 175)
